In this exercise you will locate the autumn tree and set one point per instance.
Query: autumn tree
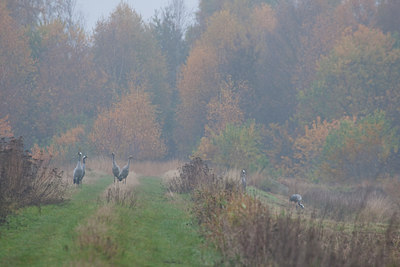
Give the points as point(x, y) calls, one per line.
point(168, 28)
point(126, 51)
point(129, 127)
point(308, 147)
point(237, 146)
point(66, 84)
point(16, 68)
point(230, 46)
point(360, 149)
point(5, 128)
point(361, 74)
point(222, 110)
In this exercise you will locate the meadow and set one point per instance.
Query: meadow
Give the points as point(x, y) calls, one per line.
point(187, 214)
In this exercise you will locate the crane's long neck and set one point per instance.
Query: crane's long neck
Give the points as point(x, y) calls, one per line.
point(79, 160)
point(129, 162)
point(84, 161)
point(114, 164)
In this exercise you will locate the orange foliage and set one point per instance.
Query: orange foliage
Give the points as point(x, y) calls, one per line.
point(308, 148)
point(224, 108)
point(5, 127)
point(130, 127)
point(45, 154)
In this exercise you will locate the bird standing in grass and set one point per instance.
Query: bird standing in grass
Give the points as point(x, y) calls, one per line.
point(78, 171)
point(297, 199)
point(83, 168)
point(115, 168)
point(243, 179)
point(125, 171)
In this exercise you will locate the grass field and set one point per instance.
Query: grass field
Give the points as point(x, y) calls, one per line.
point(90, 231)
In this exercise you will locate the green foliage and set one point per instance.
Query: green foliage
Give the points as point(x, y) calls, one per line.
point(359, 149)
point(240, 146)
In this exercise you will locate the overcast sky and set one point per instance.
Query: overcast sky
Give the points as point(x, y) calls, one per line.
point(93, 10)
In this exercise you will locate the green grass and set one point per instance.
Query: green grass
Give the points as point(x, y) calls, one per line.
point(46, 238)
point(86, 231)
point(159, 231)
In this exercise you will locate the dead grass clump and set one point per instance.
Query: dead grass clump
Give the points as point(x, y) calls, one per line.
point(365, 202)
point(248, 234)
point(26, 181)
point(121, 195)
point(191, 175)
point(94, 238)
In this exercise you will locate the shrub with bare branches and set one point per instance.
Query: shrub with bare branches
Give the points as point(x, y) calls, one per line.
point(24, 180)
point(248, 233)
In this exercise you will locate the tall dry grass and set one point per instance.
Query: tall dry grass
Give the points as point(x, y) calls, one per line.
point(26, 181)
point(369, 202)
point(248, 233)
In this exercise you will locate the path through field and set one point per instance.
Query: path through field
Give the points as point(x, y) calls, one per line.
point(106, 225)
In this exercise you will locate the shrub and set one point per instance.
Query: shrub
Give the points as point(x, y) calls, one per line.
point(359, 150)
point(24, 180)
point(235, 147)
point(190, 176)
point(247, 233)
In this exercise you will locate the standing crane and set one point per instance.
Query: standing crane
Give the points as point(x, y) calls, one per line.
point(125, 171)
point(115, 168)
point(78, 171)
point(297, 199)
point(83, 167)
point(243, 179)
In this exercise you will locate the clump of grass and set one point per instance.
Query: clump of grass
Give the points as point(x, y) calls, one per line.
point(94, 237)
point(121, 195)
point(191, 175)
point(26, 181)
point(364, 202)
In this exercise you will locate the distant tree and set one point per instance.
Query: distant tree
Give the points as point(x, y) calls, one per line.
point(387, 16)
point(222, 110)
point(66, 86)
point(16, 68)
point(361, 74)
point(169, 27)
point(126, 51)
point(130, 128)
point(236, 147)
point(360, 149)
point(5, 128)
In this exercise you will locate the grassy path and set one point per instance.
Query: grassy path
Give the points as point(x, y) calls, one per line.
point(33, 239)
point(89, 232)
point(159, 232)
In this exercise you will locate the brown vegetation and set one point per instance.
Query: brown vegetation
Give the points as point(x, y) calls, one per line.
point(248, 232)
point(26, 181)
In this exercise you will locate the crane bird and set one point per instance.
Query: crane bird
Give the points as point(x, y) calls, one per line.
point(243, 179)
point(83, 168)
point(78, 171)
point(125, 171)
point(296, 198)
point(115, 168)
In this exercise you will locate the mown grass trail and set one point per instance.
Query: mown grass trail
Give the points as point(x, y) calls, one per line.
point(159, 232)
point(87, 231)
point(47, 238)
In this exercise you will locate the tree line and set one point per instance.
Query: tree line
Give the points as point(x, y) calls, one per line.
point(305, 87)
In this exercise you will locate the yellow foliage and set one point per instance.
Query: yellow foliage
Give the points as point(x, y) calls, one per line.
point(5, 127)
point(130, 127)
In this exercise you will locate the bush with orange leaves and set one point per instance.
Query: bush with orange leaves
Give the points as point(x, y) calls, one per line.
point(129, 128)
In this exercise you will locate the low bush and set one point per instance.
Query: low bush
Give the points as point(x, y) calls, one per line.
point(26, 181)
point(248, 233)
